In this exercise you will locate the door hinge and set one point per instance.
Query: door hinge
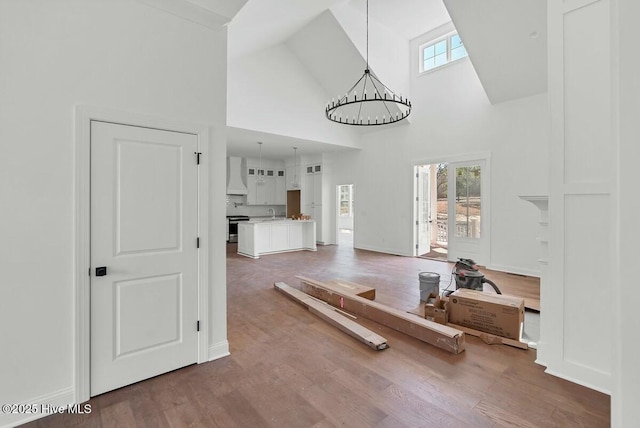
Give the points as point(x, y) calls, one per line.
point(417, 222)
point(417, 246)
point(198, 157)
point(89, 272)
point(198, 325)
point(198, 242)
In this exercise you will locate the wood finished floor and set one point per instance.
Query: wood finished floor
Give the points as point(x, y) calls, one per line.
point(288, 368)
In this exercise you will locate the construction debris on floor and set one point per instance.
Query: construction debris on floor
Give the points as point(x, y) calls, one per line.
point(496, 314)
point(333, 317)
point(442, 322)
point(494, 318)
point(340, 296)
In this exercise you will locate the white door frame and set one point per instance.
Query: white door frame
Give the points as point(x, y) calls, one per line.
point(464, 157)
point(337, 213)
point(82, 216)
point(417, 210)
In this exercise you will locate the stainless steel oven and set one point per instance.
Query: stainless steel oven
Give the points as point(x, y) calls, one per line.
point(233, 221)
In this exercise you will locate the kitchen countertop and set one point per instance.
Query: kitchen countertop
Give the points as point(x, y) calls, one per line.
point(276, 220)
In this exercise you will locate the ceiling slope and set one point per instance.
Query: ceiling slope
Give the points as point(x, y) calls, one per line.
point(261, 24)
point(328, 54)
point(507, 44)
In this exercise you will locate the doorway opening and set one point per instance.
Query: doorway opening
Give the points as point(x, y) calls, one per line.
point(344, 215)
point(431, 211)
point(135, 240)
point(451, 210)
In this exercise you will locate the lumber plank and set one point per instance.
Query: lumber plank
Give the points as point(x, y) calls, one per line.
point(354, 288)
point(350, 327)
point(444, 337)
point(490, 339)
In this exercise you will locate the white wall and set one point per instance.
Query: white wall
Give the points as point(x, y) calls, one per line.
point(122, 55)
point(452, 116)
point(271, 91)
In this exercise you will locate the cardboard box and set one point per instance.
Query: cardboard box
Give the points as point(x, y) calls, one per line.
point(435, 310)
point(488, 312)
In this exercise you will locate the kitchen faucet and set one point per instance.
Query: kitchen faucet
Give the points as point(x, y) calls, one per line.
point(273, 212)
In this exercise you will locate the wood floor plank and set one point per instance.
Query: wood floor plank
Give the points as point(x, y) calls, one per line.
point(287, 368)
point(504, 417)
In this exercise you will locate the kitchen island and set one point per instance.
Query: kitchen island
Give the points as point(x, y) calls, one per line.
point(256, 238)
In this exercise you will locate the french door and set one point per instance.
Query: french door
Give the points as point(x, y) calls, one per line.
point(468, 211)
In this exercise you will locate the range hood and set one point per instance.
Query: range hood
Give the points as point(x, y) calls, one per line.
point(235, 186)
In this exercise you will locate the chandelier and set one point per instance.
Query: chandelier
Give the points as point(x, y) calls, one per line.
point(369, 102)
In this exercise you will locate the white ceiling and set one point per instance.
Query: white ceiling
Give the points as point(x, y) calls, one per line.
point(244, 143)
point(406, 18)
point(311, 32)
point(323, 38)
point(507, 44)
point(264, 23)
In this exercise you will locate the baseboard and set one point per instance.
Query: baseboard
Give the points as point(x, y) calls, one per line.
point(61, 398)
point(515, 270)
point(219, 350)
point(587, 384)
point(382, 250)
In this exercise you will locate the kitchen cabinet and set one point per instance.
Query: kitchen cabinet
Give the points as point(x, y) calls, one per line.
point(256, 238)
point(252, 176)
point(280, 187)
point(312, 193)
point(271, 192)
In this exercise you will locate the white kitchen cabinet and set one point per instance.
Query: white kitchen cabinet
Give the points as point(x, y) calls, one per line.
point(271, 192)
point(261, 239)
point(312, 193)
point(281, 187)
point(252, 176)
point(279, 236)
point(256, 238)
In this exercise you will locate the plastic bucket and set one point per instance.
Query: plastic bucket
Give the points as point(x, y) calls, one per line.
point(429, 283)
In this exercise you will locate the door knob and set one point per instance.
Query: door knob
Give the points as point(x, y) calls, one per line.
point(101, 271)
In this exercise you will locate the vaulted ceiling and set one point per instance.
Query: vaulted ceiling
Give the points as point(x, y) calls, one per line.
point(326, 41)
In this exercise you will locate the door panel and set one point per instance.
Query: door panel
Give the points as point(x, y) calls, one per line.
point(467, 222)
point(143, 229)
point(142, 195)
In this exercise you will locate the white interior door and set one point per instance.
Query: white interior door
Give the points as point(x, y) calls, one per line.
point(423, 218)
point(468, 231)
point(143, 231)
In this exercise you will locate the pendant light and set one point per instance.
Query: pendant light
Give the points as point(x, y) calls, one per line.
point(295, 183)
point(380, 106)
point(260, 179)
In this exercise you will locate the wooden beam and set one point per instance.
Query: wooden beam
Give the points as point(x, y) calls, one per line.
point(353, 329)
point(442, 336)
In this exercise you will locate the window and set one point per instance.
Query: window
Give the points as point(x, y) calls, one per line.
point(441, 52)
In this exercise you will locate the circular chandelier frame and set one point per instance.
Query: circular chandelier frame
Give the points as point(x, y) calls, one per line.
point(388, 107)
